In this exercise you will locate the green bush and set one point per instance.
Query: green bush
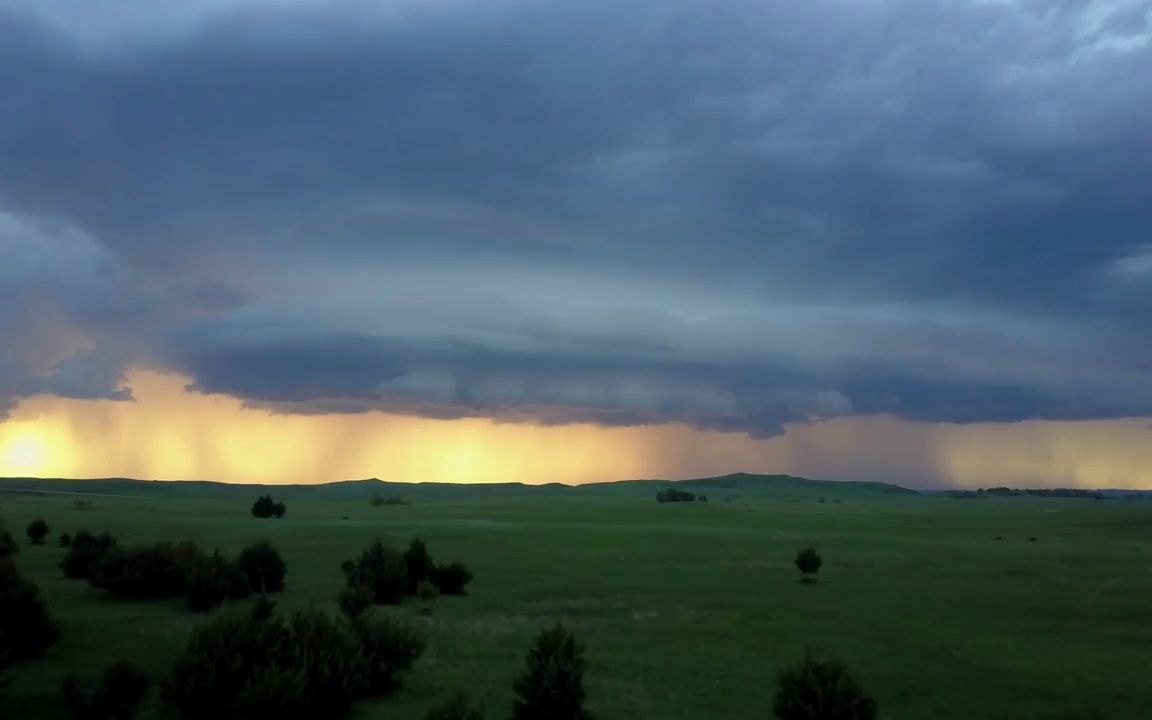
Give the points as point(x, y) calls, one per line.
point(37, 531)
point(382, 569)
point(347, 566)
point(262, 667)
point(808, 562)
point(26, 628)
point(552, 686)
point(264, 568)
point(451, 579)
point(8, 544)
point(817, 689)
point(458, 708)
point(418, 565)
point(266, 507)
point(86, 551)
point(65, 540)
point(389, 647)
point(213, 581)
point(356, 601)
point(117, 696)
point(151, 572)
point(427, 592)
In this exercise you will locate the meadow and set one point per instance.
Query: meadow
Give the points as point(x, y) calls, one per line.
point(942, 608)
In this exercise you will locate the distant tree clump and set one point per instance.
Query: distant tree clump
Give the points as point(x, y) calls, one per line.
point(458, 708)
point(265, 569)
point(117, 696)
point(672, 495)
point(65, 540)
point(26, 628)
point(306, 666)
point(266, 507)
point(808, 562)
point(37, 531)
point(381, 569)
point(552, 685)
point(378, 500)
point(87, 549)
point(817, 689)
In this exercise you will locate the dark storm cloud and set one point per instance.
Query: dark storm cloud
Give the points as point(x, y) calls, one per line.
point(935, 209)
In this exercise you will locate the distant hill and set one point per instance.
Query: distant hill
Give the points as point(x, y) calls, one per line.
point(735, 485)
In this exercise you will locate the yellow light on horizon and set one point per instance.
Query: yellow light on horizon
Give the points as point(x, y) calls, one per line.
point(24, 451)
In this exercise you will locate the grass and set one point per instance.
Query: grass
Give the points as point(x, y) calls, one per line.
point(686, 609)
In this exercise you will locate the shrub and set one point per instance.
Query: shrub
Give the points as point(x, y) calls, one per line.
point(552, 685)
point(116, 697)
point(376, 501)
point(674, 495)
point(26, 628)
point(37, 531)
point(417, 564)
point(347, 566)
point(451, 579)
point(264, 568)
point(82, 504)
point(265, 507)
point(821, 690)
point(214, 580)
point(382, 569)
point(86, 551)
point(389, 648)
point(458, 708)
point(808, 562)
point(150, 572)
point(65, 540)
point(355, 601)
point(427, 592)
point(8, 544)
point(261, 667)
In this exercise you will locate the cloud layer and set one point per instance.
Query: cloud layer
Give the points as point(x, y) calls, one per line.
point(737, 215)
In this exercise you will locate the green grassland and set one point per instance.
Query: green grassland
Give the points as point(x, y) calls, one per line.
point(686, 609)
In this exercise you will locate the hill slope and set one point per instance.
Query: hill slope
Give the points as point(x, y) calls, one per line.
point(738, 484)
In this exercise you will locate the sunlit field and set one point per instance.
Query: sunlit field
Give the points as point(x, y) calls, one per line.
point(942, 608)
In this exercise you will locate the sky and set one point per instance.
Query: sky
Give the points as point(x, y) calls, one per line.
point(299, 241)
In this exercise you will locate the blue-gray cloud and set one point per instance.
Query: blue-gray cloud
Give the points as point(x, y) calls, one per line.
point(736, 215)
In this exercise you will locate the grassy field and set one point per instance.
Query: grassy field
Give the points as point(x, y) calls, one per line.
point(687, 609)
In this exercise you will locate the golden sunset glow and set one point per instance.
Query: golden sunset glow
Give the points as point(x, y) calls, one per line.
point(170, 433)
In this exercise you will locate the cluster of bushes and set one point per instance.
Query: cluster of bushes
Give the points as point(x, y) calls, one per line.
point(387, 575)
point(262, 665)
point(1033, 492)
point(672, 495)
point(266, 507)
point(26, 628)
point(167, 570)
point(8, 544)
point(379, 500)
point(117, 695)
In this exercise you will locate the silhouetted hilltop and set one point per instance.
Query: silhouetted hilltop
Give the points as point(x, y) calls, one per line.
point(734, 485)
